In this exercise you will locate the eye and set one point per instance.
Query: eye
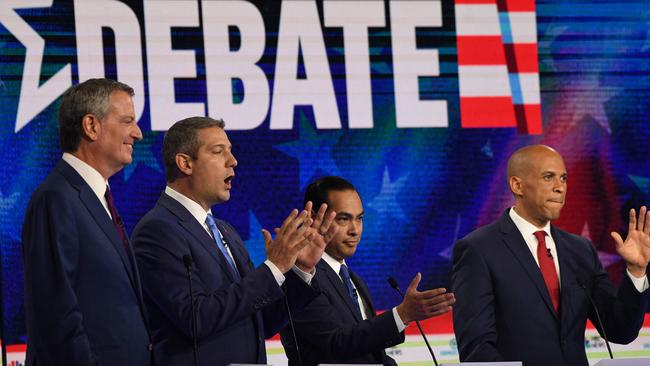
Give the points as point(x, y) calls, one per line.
point(342, 219)
point(563, 178)
point(360, 218)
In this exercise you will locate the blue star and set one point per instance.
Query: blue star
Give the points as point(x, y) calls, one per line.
point(487, 149)
point(255, 241)
point(142, 154)
point(387, 202)
point(643, 184)
point(313, 151)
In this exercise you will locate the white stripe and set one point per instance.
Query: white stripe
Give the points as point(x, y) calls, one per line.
point(529, 87)
point(484, 81)
point(477, 20)
point(523, 26)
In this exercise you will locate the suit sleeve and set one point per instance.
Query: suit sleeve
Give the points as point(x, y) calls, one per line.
point(474, 310)
point(160, 247)
point(51, 256)
point(319, 326)
point(621, 311)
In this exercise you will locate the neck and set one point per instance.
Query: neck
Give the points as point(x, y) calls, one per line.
point(181, 187)
point(87, 156)
point(540, 224)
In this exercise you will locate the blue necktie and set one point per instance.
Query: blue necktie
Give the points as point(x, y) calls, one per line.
point(216, 234)
point(352, 292)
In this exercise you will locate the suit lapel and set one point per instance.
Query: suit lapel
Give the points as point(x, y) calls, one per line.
point(338, 284)
point(517, 245)
point(101, 217)
point(189, 223)
point(364, 293)
point(236, 248)
point(567, 275)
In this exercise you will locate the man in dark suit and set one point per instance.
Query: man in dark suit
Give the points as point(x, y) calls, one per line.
point(237, 305)
point(522, 283)
point(83, 302)
point(340, 325)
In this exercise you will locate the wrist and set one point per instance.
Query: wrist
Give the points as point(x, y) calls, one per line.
point(636, 271)
point(402, 313)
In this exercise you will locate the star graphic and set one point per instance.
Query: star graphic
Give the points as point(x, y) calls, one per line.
point(142, 154)
point(487, 149)
point(606, 258)
point(581, 108)
point(313, 151)
point(387, 202)
point(547, 63)
point(255, 241)
point(8, 215)
point(447, 252)
point(643, 184)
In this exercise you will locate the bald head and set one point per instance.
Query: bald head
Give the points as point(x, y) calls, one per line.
point(537, 178)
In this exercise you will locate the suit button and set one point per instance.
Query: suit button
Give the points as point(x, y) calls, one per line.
point(150, 347)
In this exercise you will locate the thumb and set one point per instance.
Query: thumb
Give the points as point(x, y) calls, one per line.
point(413, 286)
point(617, 238)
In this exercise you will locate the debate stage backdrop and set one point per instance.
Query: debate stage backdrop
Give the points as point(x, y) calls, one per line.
point(418, 103)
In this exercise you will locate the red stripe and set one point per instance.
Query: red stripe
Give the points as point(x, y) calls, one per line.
point(480, 50)
point(529, 118)
point(476, 2)
point(516, 5)
point(521, 57)
point(487, 112)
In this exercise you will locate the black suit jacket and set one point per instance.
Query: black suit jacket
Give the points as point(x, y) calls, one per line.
point(233, 317)
point(329, 332)
point(83, 303)
point(504, 312)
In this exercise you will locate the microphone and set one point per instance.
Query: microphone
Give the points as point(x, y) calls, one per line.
point(393, 283)
point(291, 325)
point(584, 281)
point(187, 260)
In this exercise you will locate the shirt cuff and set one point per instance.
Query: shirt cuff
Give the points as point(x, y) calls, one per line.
point(305, 276)
point(398, 321)
point(279, 276)
point(640, 283)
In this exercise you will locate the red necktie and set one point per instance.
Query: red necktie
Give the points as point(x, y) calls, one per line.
point(117, 221)
point(547, 267)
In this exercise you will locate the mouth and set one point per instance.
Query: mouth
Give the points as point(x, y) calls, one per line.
point(228, 181)
point(351, 243)
point(129, 144)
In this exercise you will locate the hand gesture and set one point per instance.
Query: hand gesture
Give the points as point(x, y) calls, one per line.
point(290, 238)
point(635, 250)
point(320, 233)
point(423, 305)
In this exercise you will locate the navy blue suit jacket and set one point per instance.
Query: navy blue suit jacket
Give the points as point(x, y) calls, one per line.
point(328, 330)
point(233, 317)
point(503, 310)
point(83, 303)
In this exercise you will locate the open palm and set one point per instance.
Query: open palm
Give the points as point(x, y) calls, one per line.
point(635, 249)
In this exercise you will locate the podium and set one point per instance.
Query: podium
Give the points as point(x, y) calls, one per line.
point(503, 363)
point(624, 362)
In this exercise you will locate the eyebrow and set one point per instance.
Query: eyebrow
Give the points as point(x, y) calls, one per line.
point(347, 214)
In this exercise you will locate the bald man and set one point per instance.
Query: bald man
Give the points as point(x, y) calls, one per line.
point(521, 284)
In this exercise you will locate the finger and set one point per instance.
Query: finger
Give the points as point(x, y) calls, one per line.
point(617, 239)
point(290, 229)
point(288, 220)
point(318, 219)
point(309, 206)
point(327, 223)
point(267, 238)
point(413, 286)
point(644, 224)
point(301, 232)
point(433, 293)
point(632, 225)
point(439, 312)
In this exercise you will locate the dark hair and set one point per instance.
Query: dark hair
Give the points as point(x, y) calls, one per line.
point(93, 96)
point(317, 192)
point(183, 138)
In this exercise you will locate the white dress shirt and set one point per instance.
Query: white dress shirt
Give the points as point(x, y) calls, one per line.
point(91, 176)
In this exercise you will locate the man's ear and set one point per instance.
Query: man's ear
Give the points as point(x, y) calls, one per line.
point(184, 163)
point(516, 185)
point(91, 127)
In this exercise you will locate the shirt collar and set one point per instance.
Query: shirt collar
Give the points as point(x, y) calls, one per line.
point(192, 206)
point(90, 175)
point(526, 228)
point(336, 265)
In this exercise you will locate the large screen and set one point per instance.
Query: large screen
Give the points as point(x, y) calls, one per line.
point(417, 103)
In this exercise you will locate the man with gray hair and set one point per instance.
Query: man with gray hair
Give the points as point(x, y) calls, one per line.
point(83, 302)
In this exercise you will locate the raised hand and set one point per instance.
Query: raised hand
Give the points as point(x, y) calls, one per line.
point(319, 234)
point(420, 305)
point(635, 249)
point(290, 238)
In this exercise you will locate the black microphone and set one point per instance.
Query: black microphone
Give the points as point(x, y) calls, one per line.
point(584, 281)
point(187, 260)
point(393, 283)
